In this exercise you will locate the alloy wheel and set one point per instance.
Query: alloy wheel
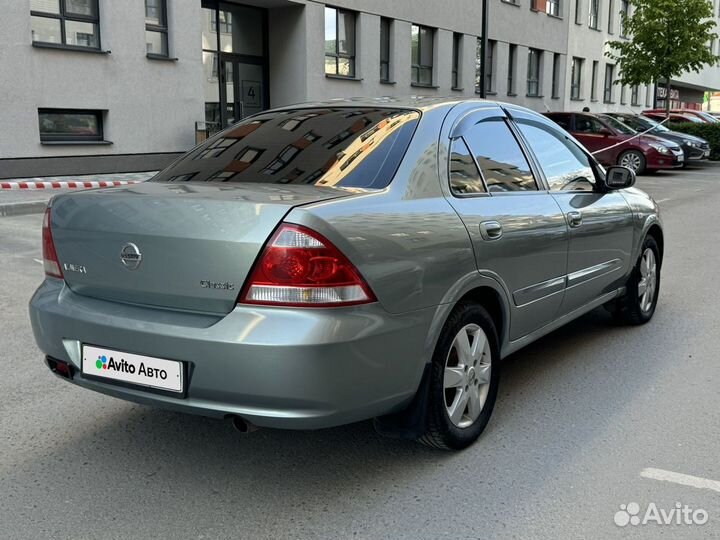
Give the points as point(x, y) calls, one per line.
point(466, 379)
point(648, 280)
point(631, 160)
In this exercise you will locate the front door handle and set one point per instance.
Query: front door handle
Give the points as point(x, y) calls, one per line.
point(490, 230)
point(575, 219)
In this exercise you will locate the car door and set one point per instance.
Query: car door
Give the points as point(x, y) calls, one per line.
point(600, 224)
point(596, 137)
point(518, 231)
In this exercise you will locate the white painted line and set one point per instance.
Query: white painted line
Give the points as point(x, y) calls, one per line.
point(663, 200)
point(679, 478)
point(38, 261)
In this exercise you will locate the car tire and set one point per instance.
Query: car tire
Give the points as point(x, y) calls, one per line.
point(632, 159)
point(464, 378)
point(638, 304)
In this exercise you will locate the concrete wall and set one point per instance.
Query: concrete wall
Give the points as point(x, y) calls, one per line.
point(590, 45)
point(150, 105)
point(517, 24)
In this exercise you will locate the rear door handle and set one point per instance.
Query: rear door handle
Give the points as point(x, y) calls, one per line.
point(575, 219)
point(491, 230)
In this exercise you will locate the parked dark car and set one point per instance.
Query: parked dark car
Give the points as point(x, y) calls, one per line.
point(694, 147)
point(692, 114)
point(612, 142)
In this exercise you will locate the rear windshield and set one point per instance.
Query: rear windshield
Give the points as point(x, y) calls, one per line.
point(358, 147)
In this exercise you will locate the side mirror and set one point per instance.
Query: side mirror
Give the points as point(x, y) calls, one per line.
point(605, 131)
point(618, 177)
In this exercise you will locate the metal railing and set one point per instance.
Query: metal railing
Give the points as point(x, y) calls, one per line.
point(205, 130)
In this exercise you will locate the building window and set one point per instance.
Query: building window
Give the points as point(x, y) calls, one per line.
point(576, 78)
point(623, 96)
point(578, 12)
point(156, 28)
point(533, 73)
point(593, 18)
point(489, 61)
point(552, 7)
point(457, 45)
point(635, 95)
point(611, 15)
point(65, 22)
point(556, 76)
point(339, 42)
point(593, 81)
point(385, 27)
point(224, 20)
point(422, 55)
point(648, 100)
point(70, 125)
point(512, 55)
point(624, 12)
point(608, 88)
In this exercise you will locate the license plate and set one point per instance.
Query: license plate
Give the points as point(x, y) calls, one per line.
point(134, 369)
point(681, 158)
point(706, 153)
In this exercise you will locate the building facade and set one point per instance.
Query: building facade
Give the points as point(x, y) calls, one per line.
point(108, 86)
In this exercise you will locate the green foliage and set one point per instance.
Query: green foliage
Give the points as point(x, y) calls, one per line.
point(709, 132)
point(667, 38)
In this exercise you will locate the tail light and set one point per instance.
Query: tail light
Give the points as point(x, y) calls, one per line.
point(50, 258)
point(299, 267)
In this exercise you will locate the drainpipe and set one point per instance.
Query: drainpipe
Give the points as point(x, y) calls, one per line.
point(483, 47)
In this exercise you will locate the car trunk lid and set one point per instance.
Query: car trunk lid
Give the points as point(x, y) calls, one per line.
point(183, 246)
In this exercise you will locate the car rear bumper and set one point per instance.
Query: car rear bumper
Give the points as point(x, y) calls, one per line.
point(297, 369)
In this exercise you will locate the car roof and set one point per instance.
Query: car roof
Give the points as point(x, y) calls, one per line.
point(421, 103)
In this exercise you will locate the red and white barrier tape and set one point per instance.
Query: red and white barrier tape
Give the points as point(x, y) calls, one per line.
point(64, 185)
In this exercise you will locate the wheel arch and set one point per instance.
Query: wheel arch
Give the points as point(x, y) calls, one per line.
point(656, 232)
point(480, 289)
point(490, 299)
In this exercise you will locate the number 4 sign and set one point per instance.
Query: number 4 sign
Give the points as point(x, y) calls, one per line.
point(251, 91)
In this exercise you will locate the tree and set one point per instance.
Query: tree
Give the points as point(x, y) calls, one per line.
point(667, 38)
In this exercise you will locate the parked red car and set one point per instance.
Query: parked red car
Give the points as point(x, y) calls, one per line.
point(600, 134)
point(682, 115)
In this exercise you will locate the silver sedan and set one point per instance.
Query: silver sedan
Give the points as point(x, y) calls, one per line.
point(333, 262)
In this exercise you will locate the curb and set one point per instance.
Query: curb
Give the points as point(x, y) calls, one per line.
point(22, 208)
point(16, 184)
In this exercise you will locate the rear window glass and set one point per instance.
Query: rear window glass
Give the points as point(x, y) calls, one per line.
point(357, 147)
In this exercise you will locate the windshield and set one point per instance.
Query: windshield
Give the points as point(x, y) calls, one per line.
point(618, 125)
point(707, 116)
point(358, 147)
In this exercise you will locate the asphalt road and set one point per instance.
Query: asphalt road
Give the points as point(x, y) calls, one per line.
point(580, 415)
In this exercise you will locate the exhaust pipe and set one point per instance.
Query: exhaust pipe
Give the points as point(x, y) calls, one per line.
point(243, 426)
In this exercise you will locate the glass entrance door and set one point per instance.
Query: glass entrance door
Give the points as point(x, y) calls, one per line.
point(241, 87)
point(235, 61)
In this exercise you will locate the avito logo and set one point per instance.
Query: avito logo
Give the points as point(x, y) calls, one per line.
point(124, 367)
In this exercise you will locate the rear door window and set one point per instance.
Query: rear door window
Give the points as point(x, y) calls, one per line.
point(358, 147)
point(502, 162)
point(587, 124)
point(562, 120)
point(464, 175)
